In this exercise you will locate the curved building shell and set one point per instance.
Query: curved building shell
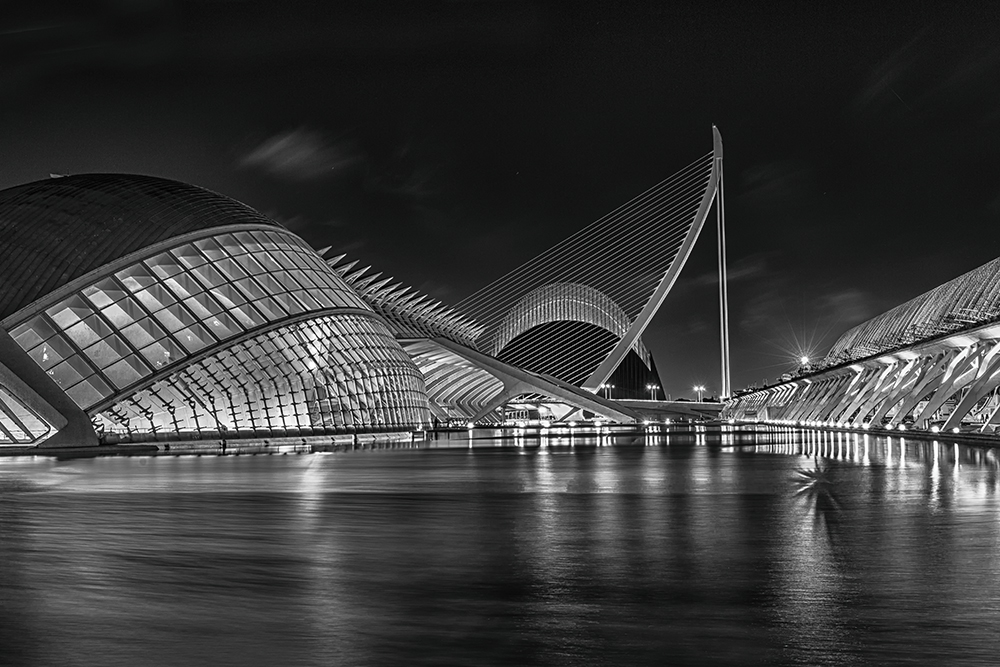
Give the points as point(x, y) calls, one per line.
point(157, 307)
point(966, 301)
point(932, 363)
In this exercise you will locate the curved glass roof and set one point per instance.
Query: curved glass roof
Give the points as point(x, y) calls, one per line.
point(110, 335)
point(964, 302)
point(59, 229)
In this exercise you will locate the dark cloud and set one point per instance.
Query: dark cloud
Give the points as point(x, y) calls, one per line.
point(46, 39)
point(879, 91)
point(776, 184)
point(410, 176)
point(299, 223)
point(792, 323)
point(301, 155)
point(752, 267)
point(846, 308)
point(933, 78)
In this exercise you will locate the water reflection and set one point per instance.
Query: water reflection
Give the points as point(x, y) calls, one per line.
point(815, 484)
point(788, 548)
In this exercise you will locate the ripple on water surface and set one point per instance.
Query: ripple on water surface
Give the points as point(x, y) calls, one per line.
point(832, 549)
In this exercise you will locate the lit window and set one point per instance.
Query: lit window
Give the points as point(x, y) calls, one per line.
point(107, 351)
point(143, 332)
point(89, 331)
point(211, 249)
point(70, 372)
point(51, 352)
point(90, 391)
point(155, 297)
point(127, 371)
point(137, 277)
point(164, 265)
point(174, 318)
point(209, 276)
point(189, 256)
point(32, 333)
point(104, 293)
point(162, 353)
point(68, 312)
point(123, 313)
point(194, 338)
point(183, 285)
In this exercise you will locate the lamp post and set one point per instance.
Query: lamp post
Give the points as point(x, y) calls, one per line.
point(700, 389)
point(652, 391)
point(607, 389)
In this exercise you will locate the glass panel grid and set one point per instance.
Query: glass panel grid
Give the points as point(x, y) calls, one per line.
point(19, 424)
point(282, 381)
point(157, 312)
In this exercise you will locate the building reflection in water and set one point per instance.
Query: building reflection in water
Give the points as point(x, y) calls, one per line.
point(807, 548)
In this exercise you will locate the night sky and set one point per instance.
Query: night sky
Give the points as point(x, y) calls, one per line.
point(445, 143)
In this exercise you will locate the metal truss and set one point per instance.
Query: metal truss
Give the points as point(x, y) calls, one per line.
point(562, 302)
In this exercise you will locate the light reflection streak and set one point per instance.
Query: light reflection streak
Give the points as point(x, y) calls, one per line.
point(324, 559)
point(950, 476)
point(809, 588)
point(381, 569)
point(957, 467)
point(935, 494)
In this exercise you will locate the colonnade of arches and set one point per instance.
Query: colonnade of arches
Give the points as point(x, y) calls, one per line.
point(951, 385)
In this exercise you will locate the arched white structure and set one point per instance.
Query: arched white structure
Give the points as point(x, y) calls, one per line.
point(632, 256)
point(933, 361)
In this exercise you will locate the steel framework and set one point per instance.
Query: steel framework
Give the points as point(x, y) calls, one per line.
point(933, 362)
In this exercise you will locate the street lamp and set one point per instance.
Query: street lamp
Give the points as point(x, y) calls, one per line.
point(700, 389)
point(652, 391)
point(607, 389)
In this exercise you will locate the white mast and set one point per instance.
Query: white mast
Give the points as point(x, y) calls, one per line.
point(720, 210)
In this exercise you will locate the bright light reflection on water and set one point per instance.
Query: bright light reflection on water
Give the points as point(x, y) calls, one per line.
point(813, 549)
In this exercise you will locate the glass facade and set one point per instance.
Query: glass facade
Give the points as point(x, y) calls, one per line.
point(19, 425)
point(332, 374)
point(146, 317)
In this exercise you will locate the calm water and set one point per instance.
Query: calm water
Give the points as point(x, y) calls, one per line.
point(637, 553)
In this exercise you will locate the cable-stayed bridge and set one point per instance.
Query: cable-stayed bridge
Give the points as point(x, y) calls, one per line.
point(578, 309)
point(560, 325)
